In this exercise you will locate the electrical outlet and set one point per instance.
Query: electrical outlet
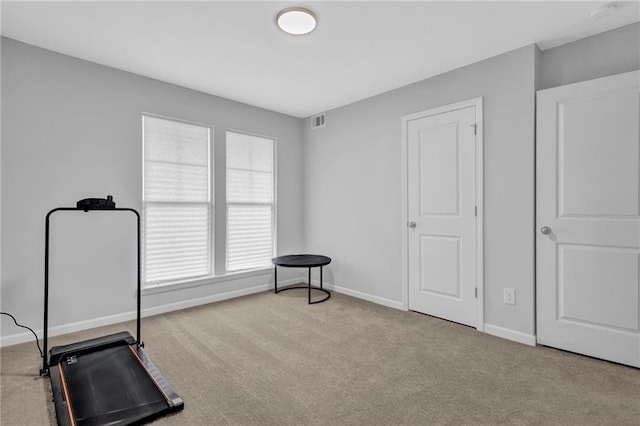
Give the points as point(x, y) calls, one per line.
point(509, 296)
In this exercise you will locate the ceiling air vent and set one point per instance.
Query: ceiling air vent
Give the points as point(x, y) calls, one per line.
point(318, 121)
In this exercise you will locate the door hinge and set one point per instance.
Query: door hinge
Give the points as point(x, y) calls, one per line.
point(476, 292)
point(476, 211)
point(475, 128)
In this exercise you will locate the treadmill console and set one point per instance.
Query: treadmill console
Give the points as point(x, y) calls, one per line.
point(96, 203)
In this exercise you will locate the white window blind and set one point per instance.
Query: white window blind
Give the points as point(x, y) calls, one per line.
point(250, 201)
point(177, 206)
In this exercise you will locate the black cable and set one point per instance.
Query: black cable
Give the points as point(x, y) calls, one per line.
point(24, 326)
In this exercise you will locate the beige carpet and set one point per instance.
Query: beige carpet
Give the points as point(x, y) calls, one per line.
point(274, 360)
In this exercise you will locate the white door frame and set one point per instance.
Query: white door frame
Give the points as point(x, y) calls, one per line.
point(477, 103)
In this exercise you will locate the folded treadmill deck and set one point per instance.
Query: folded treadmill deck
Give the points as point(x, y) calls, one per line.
point(108, 380)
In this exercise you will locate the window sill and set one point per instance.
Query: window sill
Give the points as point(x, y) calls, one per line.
point(196, 282)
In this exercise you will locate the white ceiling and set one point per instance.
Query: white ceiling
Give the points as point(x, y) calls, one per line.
point(359, 49)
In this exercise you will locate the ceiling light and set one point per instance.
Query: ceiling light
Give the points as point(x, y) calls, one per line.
point(296, 20)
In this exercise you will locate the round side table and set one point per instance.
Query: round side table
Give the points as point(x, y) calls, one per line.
point(302, 261)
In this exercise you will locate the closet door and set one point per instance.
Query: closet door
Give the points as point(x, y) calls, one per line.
point(588, 218)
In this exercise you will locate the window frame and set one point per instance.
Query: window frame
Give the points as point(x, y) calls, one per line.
point(211, 204)
point(274, 219)
point(218, 208)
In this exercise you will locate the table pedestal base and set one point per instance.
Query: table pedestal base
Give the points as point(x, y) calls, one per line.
point(309, 287)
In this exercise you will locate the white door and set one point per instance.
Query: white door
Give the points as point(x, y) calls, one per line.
point(441, 203)
point(588, 218)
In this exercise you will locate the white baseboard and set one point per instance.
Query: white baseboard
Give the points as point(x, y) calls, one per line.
point(360, 295)
point(18, 338)
point(14, 339)
point(506, 333)
point(162, 309)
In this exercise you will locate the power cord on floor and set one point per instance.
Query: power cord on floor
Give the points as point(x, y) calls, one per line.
point(24, 326)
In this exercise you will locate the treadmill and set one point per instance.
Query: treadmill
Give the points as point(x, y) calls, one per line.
point(108, 380)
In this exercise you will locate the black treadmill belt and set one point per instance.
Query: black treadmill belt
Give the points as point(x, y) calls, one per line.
point(110, 387)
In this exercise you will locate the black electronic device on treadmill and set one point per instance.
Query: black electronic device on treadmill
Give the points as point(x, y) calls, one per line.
point(108, 380)
point(96, 203)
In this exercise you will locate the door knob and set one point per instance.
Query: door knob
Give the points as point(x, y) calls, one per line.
point(545, 230)
point(412, 225)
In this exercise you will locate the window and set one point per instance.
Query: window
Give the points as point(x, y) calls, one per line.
point(177, 206)
point(178, 232)
point(250, 201)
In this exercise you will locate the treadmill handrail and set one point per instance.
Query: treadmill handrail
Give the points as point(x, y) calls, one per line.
point(45, 356)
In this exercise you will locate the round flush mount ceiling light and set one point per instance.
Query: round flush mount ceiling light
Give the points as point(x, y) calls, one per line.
point(296, 20)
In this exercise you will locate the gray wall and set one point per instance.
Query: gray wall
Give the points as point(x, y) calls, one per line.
point(352, 205)
point(72, 129)
point(353, 184)
point(612, 52)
